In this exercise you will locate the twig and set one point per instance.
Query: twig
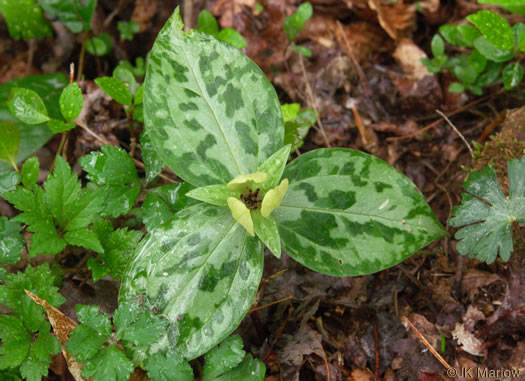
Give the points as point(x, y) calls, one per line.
point(188, 15)
point(376, 344)
point(457, 132)
point(312, 101)
point(359, 124)
point(426, 343)
point(82, 55)
point(270, 304)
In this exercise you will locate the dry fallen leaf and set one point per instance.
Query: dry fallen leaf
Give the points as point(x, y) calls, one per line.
point(467, 341)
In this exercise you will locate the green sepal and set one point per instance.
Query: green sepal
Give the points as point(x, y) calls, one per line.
point(268, 232)
point(213, 194)
point(274, 168)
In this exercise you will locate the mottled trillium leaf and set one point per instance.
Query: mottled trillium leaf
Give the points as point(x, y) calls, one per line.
point(116, 90)
point(152, 162)
point(209, 110)
point(272, 199)
point(213, 194)
point(274, 167)
point(348, 213)
point(27, 106)
point(241, 214)
point(9, 142)
point(71, 101)
point(202, 271)
point(267, 231)
point(244, 182)
point(487, 215)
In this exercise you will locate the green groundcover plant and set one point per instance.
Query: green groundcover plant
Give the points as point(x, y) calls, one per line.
point(215, 120)
point(493, 42)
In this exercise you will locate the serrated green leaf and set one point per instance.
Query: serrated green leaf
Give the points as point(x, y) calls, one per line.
point(25, 19)
point(367, 216)
point(16, 342)
point(512, 75)
point(232, 37)
point(168, 367)
point(30, 171)
point(127, 29)
point(116, 90)
point(223, 358)
point(99, 45)
point(8, 181)
point(37, 280)
point(249, 370)
point(109, 364)
point(110, 166)
point(84, 238)
point(86, 208)
point(120, 199)
point(118, 247)
point(162, 202)
point(75, 14)
point(210, 112)
point(488, 215)
point(494, 28)
point(294, 24)
point(268, 232)
point(142, 329)
point(71, 102)
point(92, 318)
point(84, 342)
point(27, 106)
point(202, 271)
point(207, 23)
point(9, 142)
point(152, 162)
point(492, 52)
point(37, 362)
point(58, 126)
point(213, 194)
point(12, 243)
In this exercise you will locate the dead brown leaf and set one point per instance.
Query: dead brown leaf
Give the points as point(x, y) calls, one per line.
point(474, 280)
point(144, 12)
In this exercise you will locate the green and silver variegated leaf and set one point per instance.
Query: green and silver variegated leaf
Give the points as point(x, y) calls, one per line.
point(209, 110)
point(349, 213)
point(202, 271)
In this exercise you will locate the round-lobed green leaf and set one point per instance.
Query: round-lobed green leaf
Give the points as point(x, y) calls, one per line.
point(71, 101)
point(367, 216)
point(115, 89)
point(494, 28)
point(27, 106)
point(512, 75)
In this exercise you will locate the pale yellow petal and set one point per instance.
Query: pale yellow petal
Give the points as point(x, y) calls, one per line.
point(241, 182)
point(241, 214)
point(272, 199)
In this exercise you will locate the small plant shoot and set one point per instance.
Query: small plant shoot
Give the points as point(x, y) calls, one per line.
point(215, 120)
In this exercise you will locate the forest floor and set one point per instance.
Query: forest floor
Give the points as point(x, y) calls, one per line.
point(366, 83)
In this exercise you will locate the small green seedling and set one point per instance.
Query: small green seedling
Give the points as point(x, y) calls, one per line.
point(297, 123)
point(487, 216)
point(215, 120)
point(294, 24)
point(99, 45)
point(128, 29)
point(207, 24)
point(493, 41)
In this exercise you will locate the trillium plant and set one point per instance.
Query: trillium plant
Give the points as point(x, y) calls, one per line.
point(215, 120)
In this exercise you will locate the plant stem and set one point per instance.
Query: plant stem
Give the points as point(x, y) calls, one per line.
point(59, 150)
point(82, 55)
